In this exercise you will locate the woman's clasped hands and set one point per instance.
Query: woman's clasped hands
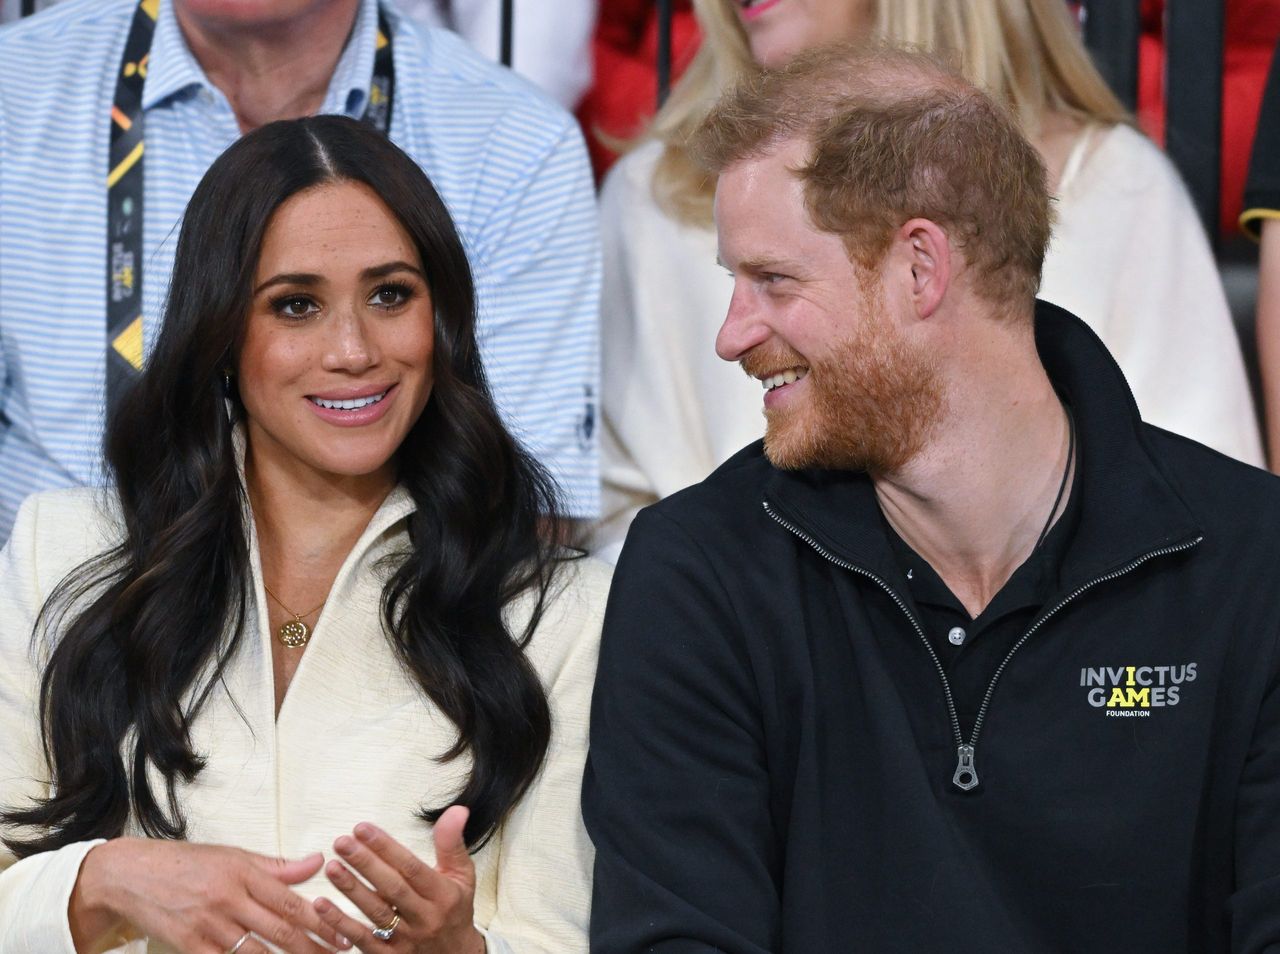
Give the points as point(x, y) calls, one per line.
point(211, 899)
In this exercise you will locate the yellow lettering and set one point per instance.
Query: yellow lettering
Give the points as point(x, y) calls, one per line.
point(1129, 698)
point(1129, 670)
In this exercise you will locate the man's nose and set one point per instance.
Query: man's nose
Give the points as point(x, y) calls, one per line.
point(742, 329)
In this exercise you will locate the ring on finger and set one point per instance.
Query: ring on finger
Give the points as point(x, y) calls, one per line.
point(240, 943)
point(388, 931)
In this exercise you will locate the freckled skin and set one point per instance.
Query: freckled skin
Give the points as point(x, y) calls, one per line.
point(342, 339)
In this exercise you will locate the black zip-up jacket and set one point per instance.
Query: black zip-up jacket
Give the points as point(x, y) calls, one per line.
point(774, 755)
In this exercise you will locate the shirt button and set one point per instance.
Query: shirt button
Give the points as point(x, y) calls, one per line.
point(956, 636)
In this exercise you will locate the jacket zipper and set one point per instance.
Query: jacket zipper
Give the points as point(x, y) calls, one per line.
point(966, 773)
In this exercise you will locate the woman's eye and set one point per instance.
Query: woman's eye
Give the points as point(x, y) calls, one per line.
point(294, 306)
point(389, 296)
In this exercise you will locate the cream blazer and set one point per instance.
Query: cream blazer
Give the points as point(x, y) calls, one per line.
point(355, 740)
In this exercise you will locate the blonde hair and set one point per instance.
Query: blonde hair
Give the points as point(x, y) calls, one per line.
point(896, 135)
point(1025, 53)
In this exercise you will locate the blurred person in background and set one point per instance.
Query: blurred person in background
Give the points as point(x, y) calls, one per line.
point(1128, 253)
point(1261, 221)
point(319, 611)
point(551, 43)
point(624, 90)
point(112, 110)
point(554, 51)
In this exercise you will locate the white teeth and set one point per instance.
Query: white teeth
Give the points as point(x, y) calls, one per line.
point(352, 404)
point(790, 376)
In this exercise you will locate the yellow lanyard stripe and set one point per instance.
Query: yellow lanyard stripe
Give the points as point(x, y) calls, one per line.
point(126, 164)
point(128, 343)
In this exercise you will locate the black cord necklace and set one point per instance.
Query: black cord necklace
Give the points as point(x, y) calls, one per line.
point(1066, 476)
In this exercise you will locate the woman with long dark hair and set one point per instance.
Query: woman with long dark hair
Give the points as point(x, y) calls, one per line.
point(320, 606)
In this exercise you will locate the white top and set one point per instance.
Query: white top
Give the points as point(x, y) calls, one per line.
point(355, 740)
point(550, 42)
point(1128, 256)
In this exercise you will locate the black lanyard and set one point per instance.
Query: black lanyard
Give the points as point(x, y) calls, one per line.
point(124, 188)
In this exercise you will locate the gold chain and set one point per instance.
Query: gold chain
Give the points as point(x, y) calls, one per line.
point(289, 611)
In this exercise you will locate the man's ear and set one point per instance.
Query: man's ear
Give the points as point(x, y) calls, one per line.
point(925, 248)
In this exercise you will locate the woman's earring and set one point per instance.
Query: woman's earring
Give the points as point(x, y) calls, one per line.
point(228, 396)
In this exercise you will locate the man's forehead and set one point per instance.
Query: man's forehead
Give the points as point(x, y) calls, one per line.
point(760, 209)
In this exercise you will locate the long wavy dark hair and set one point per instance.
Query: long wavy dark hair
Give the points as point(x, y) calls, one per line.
point(133, 656)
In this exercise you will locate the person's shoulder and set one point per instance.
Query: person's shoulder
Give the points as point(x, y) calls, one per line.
point(627, 188)
point(718, 508)
point(1224, 494)
point(55, 68)
point(635, 168)
point(57, 530)
point(584, 584)
point(567, 639)
point(82, 26)
point(1126, 159)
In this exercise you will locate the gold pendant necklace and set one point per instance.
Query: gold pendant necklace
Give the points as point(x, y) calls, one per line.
point(294, 633)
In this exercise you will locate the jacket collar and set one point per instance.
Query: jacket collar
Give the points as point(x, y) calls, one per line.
point(1129, 508)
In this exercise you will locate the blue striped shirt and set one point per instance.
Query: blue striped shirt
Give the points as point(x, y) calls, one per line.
point(508, 162)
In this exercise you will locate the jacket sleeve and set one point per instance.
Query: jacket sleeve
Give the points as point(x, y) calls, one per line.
point(35, 892)
point(676, 793)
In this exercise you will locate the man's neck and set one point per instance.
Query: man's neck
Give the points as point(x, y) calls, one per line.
point(974, 502)
point(274, 68)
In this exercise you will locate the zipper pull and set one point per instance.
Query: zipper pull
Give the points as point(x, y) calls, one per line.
point(966, 776)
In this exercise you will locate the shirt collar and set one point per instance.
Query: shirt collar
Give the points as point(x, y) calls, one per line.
point(172, 68)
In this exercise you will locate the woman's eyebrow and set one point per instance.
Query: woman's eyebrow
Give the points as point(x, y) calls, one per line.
point(290, 278)
point(379, 271)
point(308, 278)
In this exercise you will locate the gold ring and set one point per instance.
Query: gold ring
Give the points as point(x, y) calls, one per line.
point(385, 933)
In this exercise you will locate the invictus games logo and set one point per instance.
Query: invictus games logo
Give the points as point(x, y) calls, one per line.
point(1133, 691)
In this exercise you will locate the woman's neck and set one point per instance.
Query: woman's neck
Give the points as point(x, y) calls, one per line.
point(270, 68)
point(307, 524)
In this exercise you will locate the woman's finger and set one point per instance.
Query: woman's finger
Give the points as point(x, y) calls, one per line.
point(384, 877)
point(358, 932)
point(428, 882)
point(373, 905)
point(452, 858)
point(286, 870)
point(283, 918)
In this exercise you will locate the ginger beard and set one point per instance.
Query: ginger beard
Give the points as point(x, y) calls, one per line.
point(873, 399)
